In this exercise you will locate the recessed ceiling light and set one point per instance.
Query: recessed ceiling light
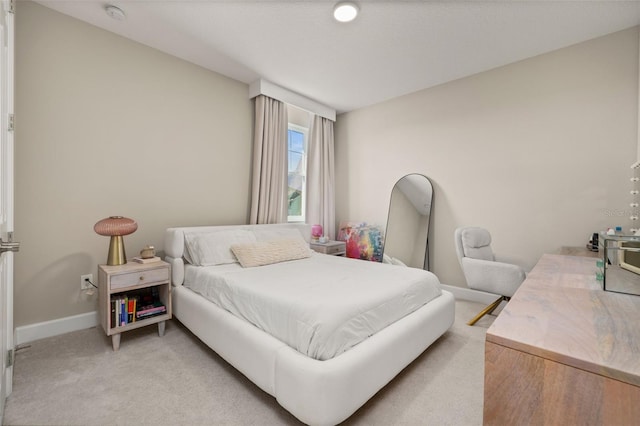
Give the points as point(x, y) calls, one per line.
point(345, 11)
point(114, 12)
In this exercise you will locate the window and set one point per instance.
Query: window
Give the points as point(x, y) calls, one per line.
point(297, 166)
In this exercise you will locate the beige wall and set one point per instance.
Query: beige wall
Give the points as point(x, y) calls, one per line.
point(537, 151)
point(107, 126)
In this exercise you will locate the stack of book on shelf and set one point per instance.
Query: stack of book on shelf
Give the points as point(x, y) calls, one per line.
point(134, 306)
point(150, 310)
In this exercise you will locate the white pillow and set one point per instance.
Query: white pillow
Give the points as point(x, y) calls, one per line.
point(268, 252)
point(277, 234)
point(214, 248)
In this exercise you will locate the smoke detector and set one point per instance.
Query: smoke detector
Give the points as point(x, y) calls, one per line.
point(115, 12)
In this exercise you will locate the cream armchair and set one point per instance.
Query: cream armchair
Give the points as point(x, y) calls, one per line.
point(483, 270)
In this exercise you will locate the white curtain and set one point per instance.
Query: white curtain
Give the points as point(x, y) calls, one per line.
point(269, 182)
point(320, 208)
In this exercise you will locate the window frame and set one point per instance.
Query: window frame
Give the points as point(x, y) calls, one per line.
point(305, 133)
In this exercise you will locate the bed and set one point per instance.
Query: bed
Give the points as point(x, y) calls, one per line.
point(319, 371)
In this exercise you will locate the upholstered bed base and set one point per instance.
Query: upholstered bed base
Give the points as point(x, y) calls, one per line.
point(316, 392)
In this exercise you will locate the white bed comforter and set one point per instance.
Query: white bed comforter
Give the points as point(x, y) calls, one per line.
point(320, 306)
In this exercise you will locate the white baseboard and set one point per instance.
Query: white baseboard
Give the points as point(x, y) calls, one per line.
point(41, 330)
point(464, 293)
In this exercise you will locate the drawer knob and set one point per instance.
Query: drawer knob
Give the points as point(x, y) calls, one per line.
point(141, 278)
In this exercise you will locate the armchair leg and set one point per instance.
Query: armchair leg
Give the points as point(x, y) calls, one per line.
point(505, 298)
point(486, 310)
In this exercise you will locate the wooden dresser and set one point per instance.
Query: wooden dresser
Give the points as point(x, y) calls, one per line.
point(563, 351)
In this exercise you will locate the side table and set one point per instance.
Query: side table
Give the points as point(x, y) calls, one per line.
point(133, 295)
point(334, 248)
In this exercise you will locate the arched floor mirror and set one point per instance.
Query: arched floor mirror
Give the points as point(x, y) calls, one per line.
point(407, 234)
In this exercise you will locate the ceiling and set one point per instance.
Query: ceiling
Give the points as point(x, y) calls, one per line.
point(392, 48)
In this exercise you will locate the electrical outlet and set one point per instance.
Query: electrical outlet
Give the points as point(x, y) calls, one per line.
point(85, 281)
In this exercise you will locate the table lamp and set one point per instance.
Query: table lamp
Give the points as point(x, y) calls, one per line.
point(116, 227)
point(316, 232)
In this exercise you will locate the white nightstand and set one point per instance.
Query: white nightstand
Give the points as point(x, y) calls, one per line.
point(148, 282)
point(334, 248)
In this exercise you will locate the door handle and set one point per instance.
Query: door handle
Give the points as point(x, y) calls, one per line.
point(9, 246)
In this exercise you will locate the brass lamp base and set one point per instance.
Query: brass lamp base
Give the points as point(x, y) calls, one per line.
point(117, 255)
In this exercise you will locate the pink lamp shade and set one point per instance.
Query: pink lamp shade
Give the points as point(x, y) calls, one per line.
point(115, 227)
point(316, 231)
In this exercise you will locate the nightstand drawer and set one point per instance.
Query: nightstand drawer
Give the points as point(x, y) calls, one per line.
point(139, 277)
point(332, 247)
point(338, 248)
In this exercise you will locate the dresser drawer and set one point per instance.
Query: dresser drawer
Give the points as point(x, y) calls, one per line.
point(139, 277)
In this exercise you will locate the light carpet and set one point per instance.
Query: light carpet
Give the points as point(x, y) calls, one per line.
point(77, 379)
